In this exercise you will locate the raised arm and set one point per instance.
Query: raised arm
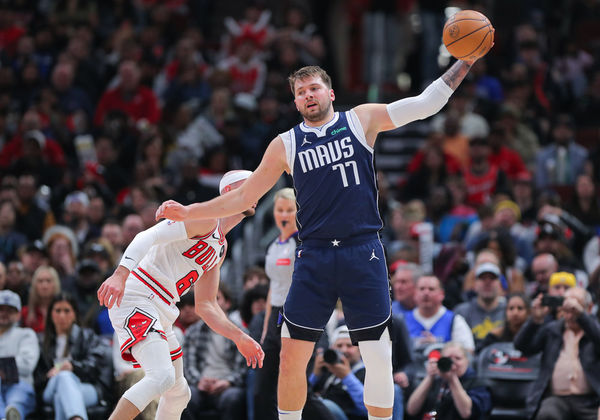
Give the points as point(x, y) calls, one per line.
point(382, 117)
point(271, 167)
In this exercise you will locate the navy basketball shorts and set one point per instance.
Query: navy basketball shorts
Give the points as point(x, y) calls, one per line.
point(353, 270)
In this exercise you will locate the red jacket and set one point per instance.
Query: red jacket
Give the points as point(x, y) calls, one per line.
point(143, 105)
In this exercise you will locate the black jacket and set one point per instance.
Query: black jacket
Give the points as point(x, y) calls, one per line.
point(548, 338)
point(90, 357)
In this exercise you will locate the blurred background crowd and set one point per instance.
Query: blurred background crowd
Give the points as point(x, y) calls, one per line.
point(109, 107)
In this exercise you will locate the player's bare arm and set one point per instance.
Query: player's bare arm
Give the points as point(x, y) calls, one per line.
point(205, 296)
point(375, 118)
point(271, 167)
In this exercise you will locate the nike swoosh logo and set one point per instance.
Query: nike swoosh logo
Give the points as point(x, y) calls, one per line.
point(129, 258)
point(215, 237)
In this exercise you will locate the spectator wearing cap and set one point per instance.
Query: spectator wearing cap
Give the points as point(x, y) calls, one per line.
point(18, 347)
point(33, 256)
point(485, 312)
point(483, 179)
point(89, 277)
point(568, 385)
point(560, 282)
point(340, 381)
point(560, 163)
point(542, 267)
point(507, 215)
point(101, 251)
point(10, 239)
point(44, 286)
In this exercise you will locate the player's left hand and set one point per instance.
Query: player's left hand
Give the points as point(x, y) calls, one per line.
point(112, 289)
point(172, 210)
point(251, 350)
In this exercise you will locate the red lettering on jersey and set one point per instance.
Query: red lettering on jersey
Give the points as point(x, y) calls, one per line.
point(283, 261)
point(184, 283)
point(202, 253)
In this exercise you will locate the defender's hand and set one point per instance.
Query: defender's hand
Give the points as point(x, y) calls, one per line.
point(251, 350)
point(172, 210)
point(113, 288)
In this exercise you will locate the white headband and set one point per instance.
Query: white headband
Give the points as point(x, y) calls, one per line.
point(232, 177)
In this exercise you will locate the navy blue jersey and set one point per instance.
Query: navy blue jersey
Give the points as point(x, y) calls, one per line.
point(334, 177)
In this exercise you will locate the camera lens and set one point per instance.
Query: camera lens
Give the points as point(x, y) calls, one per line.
point(444, 364)
point(330, 356)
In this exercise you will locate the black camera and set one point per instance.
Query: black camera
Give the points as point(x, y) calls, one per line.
point(552, 301)
point(444, 364)
point(331, 356)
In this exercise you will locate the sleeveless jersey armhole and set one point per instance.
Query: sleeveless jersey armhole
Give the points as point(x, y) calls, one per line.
point(289, 142)
point(357, 129)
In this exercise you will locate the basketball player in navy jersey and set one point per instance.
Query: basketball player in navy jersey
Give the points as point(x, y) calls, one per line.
point(330, 156)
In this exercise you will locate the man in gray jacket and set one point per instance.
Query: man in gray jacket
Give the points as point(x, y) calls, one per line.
point(19, 353)
point(569, 382)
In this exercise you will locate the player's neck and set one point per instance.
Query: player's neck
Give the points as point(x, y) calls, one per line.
point(328, 117)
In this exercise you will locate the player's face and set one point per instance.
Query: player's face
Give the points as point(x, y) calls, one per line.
point(236, 185)
point(313, 98)
point(284, 212)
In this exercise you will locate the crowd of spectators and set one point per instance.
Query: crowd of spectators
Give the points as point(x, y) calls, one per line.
point(109, 107)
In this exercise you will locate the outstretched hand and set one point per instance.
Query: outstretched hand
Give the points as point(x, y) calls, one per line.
point(112, 289)
point(251, 350)
point(172, 210)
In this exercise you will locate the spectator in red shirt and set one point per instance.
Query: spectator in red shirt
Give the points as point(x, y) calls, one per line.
point(501, 156)
point(137, 101)
point(483, 179)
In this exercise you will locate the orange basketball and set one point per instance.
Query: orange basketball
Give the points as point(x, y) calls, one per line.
point(468, 35)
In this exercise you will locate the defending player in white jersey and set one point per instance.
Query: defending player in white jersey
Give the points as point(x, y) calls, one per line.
point(161, 264)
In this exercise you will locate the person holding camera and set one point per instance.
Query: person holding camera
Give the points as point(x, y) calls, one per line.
point(338, 376)
point(450, 389)
point(568, 385)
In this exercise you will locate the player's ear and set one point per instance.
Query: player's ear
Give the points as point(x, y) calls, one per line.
point(332, 94)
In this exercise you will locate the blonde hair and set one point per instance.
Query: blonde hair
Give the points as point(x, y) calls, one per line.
point(287, 193)
point(34, 299)
point(309, 71)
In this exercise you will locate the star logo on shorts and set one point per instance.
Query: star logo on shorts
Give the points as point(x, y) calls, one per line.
point(335, 242)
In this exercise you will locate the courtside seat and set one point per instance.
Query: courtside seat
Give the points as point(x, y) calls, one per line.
point(508, 375)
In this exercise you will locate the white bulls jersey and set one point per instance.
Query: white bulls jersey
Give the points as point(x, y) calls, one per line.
point(167, 271)
point(171, 269)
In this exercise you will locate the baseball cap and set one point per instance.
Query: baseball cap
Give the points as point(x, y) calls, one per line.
point(340, 332)
point(509, 204)
point(88, 264)
point(36, 245)
point(232, 177)
point(563, 277)
point(9, 298)
point(77, 197)
point(487, 267)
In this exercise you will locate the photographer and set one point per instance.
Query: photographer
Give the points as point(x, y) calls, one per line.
point(449, 390)
point(338, 376)
point(569, 382)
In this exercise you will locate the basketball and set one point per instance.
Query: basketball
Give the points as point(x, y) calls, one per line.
point(468, 35)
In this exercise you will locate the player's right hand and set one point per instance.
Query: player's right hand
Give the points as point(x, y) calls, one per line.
point(112, 289)
point(251, 350)
point(172, 210)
